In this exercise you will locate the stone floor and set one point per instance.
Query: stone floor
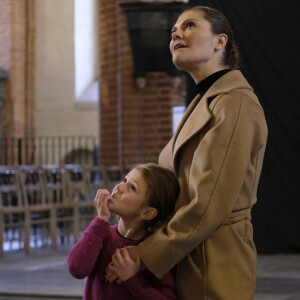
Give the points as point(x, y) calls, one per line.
point(278, 277)
point(43, 275)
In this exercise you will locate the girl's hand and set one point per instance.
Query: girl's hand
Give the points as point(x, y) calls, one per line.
point(123, 266)
point(101, 203)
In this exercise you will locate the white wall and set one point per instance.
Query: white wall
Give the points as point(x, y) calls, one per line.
point(57, 111)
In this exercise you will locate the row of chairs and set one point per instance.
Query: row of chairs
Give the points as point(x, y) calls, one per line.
point(48, 204)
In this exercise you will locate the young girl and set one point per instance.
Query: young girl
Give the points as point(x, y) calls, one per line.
point(145, 198)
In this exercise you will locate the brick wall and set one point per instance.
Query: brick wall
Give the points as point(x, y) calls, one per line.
point(4, 34)
point(16, 57)
point(135, 124)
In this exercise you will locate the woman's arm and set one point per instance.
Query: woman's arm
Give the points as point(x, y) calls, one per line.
point(211, 172)
point(144, 285)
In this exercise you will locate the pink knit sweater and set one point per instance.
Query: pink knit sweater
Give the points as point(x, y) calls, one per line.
point(93, 252)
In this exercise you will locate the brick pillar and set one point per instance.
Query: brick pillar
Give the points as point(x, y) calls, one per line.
point(109, 119)
point(5, 35)
point(18, 40)
point(135, 124)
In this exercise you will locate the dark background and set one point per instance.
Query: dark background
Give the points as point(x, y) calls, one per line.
point(268, 34)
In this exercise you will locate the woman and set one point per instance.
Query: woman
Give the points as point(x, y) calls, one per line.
point(217, 154)
point(144, 198)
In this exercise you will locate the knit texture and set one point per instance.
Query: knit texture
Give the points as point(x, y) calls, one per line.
point(89, 257)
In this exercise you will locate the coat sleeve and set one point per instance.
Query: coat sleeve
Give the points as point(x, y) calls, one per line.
point(212, 177)
point(144, 285)
point(83, 255)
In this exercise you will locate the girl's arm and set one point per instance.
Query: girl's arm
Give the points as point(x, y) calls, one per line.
point(83, 255)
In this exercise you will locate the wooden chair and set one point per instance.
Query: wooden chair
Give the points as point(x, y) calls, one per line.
point(37, 204)
point(66, 190)
point(79, 198)
point(50, 203)
point(54, 180)
point(96, 178)
point(75, 182)
point(62, 208)
point(101, 177)
point(115, 174)
point(14, 228)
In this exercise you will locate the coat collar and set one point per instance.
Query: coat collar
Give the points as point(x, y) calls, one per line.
point(198, 112)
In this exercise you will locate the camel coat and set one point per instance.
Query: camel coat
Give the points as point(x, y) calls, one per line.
point(217, 154)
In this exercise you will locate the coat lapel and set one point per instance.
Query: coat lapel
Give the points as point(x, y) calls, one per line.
point(198, 112)
point(195, 117)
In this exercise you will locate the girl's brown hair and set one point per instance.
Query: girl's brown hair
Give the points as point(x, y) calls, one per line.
point(163, 189)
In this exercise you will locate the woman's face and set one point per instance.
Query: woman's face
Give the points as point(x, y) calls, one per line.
point(193, 44)
point(129, 196)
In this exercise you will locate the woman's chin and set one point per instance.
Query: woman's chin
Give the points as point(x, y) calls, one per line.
point(179, 64)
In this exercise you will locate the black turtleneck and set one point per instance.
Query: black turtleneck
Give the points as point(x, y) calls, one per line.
point(206, 83)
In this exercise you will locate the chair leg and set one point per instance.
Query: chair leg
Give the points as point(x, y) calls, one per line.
point(53, 224)
point(1, 233)
point(76, 221)
point(27, 232)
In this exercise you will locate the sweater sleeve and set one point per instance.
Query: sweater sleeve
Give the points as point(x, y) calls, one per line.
point(144, 285)
point(83, 255)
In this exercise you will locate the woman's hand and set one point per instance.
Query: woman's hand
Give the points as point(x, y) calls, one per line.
point(127, 258)
point(101, 203)
point(123, 265)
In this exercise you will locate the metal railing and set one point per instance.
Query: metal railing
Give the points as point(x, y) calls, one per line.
point(49, 150)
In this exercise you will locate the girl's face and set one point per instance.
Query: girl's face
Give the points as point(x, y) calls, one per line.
point(129, 196)
point(193, 44)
